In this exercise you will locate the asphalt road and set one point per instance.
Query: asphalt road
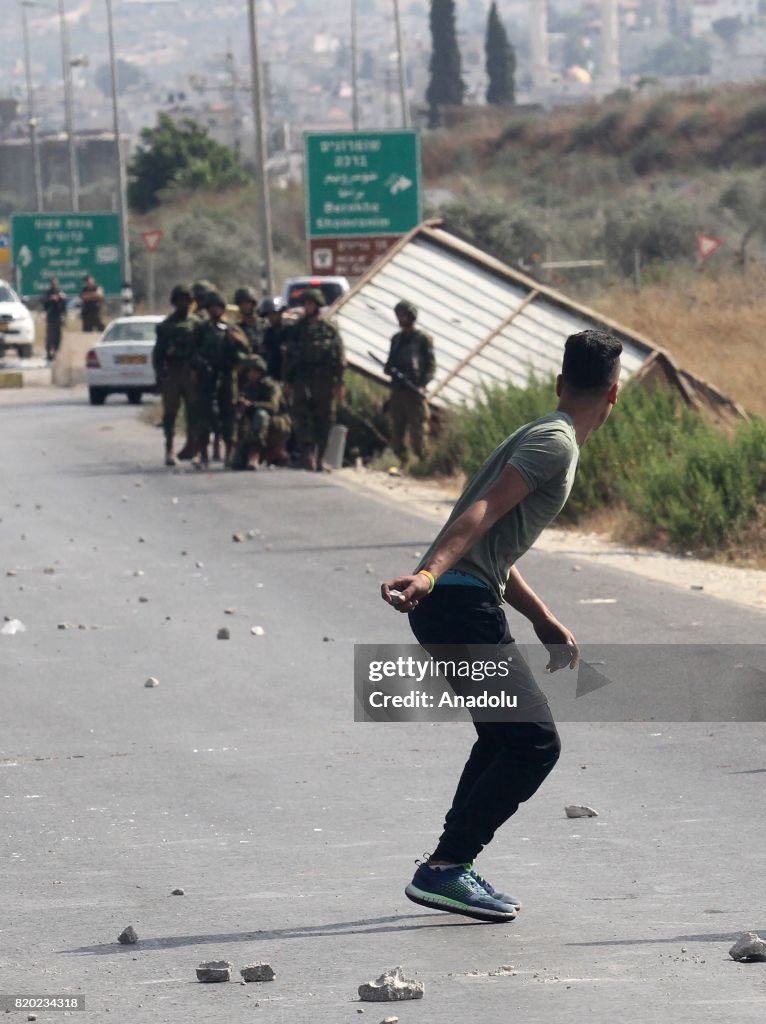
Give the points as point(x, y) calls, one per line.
point(243, 778)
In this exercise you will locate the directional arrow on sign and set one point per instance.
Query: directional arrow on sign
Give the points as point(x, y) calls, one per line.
point(25, 256)
point(398, 183)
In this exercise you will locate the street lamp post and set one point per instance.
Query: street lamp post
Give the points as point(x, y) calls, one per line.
point(402, 71)
point(74, 178)
point(267, 259)
point(31, 119)
point(122, 183)
point(354, 68)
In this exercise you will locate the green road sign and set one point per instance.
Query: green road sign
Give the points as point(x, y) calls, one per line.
point(67, 246)
point(362, 183)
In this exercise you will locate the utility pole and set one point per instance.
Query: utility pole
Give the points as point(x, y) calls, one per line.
point(122, 182)
point(354, 68)
point(74, 177)
point(267, 273)
point(402, 69)
point(31, 119)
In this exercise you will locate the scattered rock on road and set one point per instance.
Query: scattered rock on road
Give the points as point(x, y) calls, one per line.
point(224, 633)
point(13, 626)
point(152, 682)
point(63, 625)
point(580, 811)
point(230, 611)
point(178, 892)
point(128, 937)
point(11, 572)
point(749, 948)
point(238, 538)
point(258, 972)
point(391, 987)
point(258, 631)
point(139, 572)
point(214, 970)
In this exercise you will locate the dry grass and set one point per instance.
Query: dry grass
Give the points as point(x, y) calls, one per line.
point(713, 327)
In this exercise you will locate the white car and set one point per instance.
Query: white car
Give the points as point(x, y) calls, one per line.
point(17, 328)
point(331, 287)
point(121, 361)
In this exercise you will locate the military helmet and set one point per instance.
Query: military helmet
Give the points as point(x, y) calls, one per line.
point(405, 306)
point(245, 294)
point(275, 305)
point(180, 293)
point(316, 294)
point(201, 288)
point(213, 298)
point(254, 363)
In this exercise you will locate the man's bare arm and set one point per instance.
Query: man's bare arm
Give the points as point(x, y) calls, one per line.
point(559, 640)
point(509, 490)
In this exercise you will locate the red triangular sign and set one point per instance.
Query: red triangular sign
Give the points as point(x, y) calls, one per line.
point(707, 245)
point(152, 240)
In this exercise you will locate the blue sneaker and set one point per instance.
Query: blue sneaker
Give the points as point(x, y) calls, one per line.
point(491, 890)
point(456, 891)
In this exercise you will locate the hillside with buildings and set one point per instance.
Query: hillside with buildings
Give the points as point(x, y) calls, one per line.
point(192, 60)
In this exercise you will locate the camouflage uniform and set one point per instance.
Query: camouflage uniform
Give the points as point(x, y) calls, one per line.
point(249, 326)
point(170, 357)
point(314, 366)
point(412, 354)
point(262, 423)
point(234, 348)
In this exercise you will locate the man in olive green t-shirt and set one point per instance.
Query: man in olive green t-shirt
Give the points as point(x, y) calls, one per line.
point(455, 598)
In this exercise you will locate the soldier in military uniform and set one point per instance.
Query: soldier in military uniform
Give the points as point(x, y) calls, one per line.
point(170, 357)
point(314, 376)
point(217, 348)
point(199, 292)
point(411, 366)
point(276, 336)
point(248, 322)
point(262, 426)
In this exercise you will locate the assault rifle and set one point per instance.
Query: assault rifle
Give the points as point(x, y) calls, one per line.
point(398, 375)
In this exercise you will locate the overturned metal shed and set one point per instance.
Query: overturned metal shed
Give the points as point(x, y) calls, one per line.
point(490, 323)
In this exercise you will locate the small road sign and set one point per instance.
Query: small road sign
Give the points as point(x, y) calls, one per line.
point(152, 239)
point(707, 245)
point(348, 257)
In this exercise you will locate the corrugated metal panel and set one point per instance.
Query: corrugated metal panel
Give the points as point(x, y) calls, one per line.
point(490, 324)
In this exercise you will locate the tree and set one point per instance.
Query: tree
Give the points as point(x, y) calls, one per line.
point(501, 61)
point(446, 86)
point(183, 155)
point(127, 74)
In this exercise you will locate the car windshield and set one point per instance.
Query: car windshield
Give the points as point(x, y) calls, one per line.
point(131, 331)
point(330, 291)
point(6, 295)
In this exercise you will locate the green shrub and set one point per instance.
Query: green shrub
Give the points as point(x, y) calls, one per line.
point(681, 479)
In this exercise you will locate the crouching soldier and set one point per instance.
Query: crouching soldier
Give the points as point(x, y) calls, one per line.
point(263, 428)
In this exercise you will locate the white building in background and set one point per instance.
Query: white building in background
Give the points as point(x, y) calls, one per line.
point(706, 12)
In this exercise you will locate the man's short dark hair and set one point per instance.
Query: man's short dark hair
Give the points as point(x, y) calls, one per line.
point(590, 359)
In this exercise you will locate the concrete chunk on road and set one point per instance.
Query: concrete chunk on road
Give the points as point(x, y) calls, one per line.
point(128, 937)
point(224, 633)
point(258, 972)
point(580, 811)
point(391, 987)
point(214, 970)
point(749, 948)
point(151, 682)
